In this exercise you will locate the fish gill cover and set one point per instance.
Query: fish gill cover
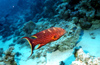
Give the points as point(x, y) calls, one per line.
point(19, 18)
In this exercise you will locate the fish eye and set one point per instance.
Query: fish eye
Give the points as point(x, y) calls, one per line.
point(55, 36)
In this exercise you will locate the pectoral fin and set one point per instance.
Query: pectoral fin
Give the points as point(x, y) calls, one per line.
point(38, 46)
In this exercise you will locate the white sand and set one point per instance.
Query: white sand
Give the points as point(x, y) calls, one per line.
point(55, 57)
point(5, 45)
point(89, 44)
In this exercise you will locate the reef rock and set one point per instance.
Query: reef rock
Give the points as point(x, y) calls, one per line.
point(29, 27)
point(85, 8)
point(8, 58)
point(63, 13)
point(83, 58)
point(95, 24)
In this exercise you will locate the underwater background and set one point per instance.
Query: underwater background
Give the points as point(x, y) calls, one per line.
point(80, 45)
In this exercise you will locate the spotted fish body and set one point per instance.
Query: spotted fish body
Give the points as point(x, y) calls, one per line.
point(44, 37)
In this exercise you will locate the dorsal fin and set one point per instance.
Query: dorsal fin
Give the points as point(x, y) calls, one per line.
point(34, 36)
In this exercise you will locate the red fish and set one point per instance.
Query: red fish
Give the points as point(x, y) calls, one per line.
point(44, 37)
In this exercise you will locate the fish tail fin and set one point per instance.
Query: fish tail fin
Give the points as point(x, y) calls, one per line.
point(31, 44)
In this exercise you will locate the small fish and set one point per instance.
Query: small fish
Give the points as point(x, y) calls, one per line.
point(44, 37)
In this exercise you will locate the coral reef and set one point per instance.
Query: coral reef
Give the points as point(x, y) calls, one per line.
point(63, 13)
point(8, 58)
point(83, 58)
point(95, 24)
point(83, 9)
point(71, 15)
point(88, 13)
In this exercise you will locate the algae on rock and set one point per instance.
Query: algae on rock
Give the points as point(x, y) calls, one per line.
point(8, 59)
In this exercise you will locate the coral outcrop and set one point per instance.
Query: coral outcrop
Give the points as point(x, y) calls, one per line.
point(95, 24)
point(8, 58)
point(83, 9)
point(28, 27)
point(83, 58)
point(63, 13)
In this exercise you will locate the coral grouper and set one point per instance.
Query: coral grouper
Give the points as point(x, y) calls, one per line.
point(44, 37)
